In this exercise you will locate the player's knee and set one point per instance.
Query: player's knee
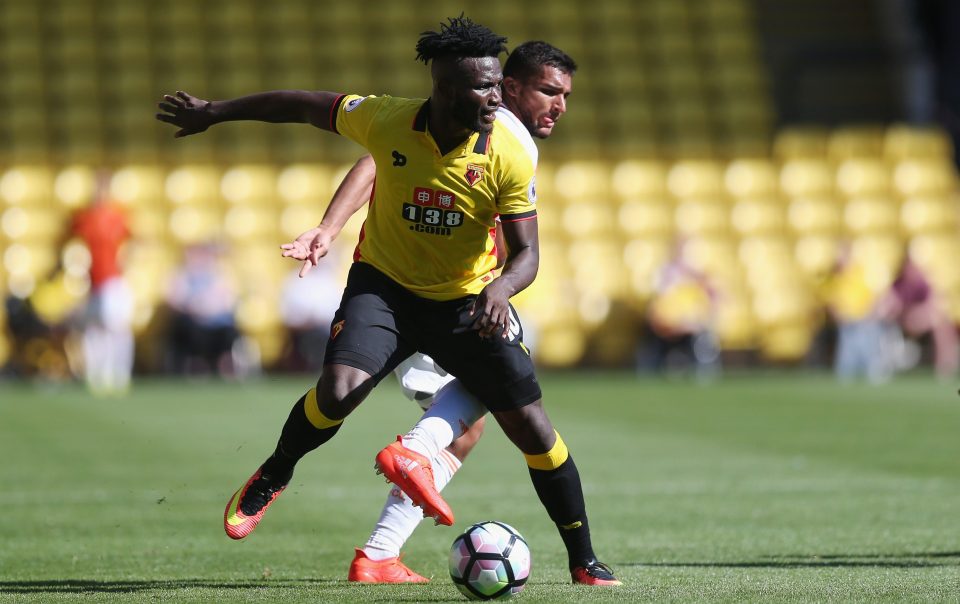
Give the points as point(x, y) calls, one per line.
point(528, 428)
point(341, 388)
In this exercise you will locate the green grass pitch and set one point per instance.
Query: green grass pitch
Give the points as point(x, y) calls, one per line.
point(765, 488)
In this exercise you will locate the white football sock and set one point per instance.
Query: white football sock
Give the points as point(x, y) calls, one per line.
point(452, 413)
point(399, 517)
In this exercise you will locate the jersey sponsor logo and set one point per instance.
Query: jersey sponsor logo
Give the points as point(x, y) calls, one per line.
point(336, 329)
point(399, 159)
point(354, 103)
point(432, 211)
point(474, 174)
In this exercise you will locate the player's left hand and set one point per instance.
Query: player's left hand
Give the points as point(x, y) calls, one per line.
point(491, 311)
point(191, 114)
point(309, 248)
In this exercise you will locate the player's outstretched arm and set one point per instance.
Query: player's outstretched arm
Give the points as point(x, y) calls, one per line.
point(351, 195)
point(194, 115)
point(491, 310)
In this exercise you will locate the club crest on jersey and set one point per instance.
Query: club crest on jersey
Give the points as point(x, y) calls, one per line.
point(336, 329)
point(474, 174)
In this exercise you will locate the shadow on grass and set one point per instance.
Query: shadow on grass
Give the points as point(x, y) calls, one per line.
point(79, 586)
point(903, 560)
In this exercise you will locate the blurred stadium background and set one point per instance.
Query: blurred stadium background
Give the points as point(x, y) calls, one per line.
point(766, 136)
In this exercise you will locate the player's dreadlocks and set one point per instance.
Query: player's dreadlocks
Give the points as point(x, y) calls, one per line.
point(528, 58)
point(459, 37)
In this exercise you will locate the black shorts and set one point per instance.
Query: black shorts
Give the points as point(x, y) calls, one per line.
point(380, 323)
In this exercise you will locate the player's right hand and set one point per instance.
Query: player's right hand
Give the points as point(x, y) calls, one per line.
point(190, 114)
point(309, 247)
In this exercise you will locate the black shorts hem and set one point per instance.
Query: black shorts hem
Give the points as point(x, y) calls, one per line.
point(521, 393)
point(353, 359)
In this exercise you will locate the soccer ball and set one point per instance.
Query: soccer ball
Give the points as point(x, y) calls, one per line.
point(490, 560)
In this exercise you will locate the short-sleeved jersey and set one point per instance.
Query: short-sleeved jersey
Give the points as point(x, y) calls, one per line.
point(430, 218)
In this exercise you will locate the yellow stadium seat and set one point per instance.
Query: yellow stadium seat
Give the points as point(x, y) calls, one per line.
point(929, 214)
point(247, 222)
point(751, 178)
point(855, 142)
point(587, 219)
point(138, 185)
point(805, 177)
point(646, 218)
point(931, 249)
point(249, 184)
point(582, 181)
point(305, 183)
point(75, 186)
point(637, 178)
point(701, 218)
point(880, 255)
point(734, 323)
point(816, 255)
point(642, 259)
point(801, 143)
point(713, 256)
point(33, 225)
point(867, 215)
point(936, 176)
point(912, 142)
point(297, 218)
point(787, 343)
point(148, 223)
point(815, 215)
point(193, 184)
point(192, 224)
point(863, 176)
point(26, 185)
point(694, 178)
point(758, 216)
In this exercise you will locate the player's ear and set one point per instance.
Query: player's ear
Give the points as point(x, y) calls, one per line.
point(510, 86)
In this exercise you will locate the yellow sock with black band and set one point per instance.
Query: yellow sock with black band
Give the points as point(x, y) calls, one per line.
point(306, 429)
point(557, 482)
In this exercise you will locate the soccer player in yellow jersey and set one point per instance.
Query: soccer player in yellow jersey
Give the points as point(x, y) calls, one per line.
point(537, 79)
point(422, 279)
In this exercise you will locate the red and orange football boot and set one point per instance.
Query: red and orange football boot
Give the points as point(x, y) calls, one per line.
point(593, 573)
point(413, 473)
point(247, 506)
point(390, 570)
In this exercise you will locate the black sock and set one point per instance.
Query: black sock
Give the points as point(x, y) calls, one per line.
point(561, 493)
point(297, 438)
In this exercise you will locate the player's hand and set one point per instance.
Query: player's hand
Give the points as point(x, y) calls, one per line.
point(309, 247)
point(491, 311)
point(190, 114)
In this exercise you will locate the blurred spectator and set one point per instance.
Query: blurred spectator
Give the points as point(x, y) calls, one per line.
point(108, 316)
point(203, 300)
point(307, 306)
point(861, 339)
point(679, 322)
point(912, 305)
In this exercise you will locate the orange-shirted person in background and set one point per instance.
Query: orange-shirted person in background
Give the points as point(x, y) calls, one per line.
point(107, 319)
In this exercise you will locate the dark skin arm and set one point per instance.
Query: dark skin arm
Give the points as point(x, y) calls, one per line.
point(193, 115)
point(491, 309)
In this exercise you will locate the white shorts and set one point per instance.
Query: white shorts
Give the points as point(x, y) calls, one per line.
point(420, 378)
point(111, 306)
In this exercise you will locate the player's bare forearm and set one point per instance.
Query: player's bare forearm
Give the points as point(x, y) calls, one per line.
point(194, 115)
point(352, 194)
point(492, 308)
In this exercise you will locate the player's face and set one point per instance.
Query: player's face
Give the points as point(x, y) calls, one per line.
point(540, 100)
point(476, 93)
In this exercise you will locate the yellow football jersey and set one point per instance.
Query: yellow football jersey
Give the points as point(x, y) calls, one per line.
point(430, 222)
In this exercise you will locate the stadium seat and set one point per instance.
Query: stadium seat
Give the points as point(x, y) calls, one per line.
point(138, 185)
point(799, 143)
point(912, 142)
point(848, 142)
point(935, 176)
point(806, 177)
point(193, 184)
point(880, 255)
point(871, 214)
point(924, 214)
point(193, 224)
point(701, 218)
point(863, 176)
point(582, 181)
point(642, 258)
point(814, 215)
point(244, 223)
point(26, 185)
point(585, 219)
point(646, 218)
point(249, 184)
point(687, 179)
point(816, 255)
point(758, 216)
point(751, 178)
point(639, 179)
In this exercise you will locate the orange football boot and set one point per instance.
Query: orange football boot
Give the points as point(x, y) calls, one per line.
point(413, 473)
point(389, 570)
point(247, 506)
point(594, 573)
